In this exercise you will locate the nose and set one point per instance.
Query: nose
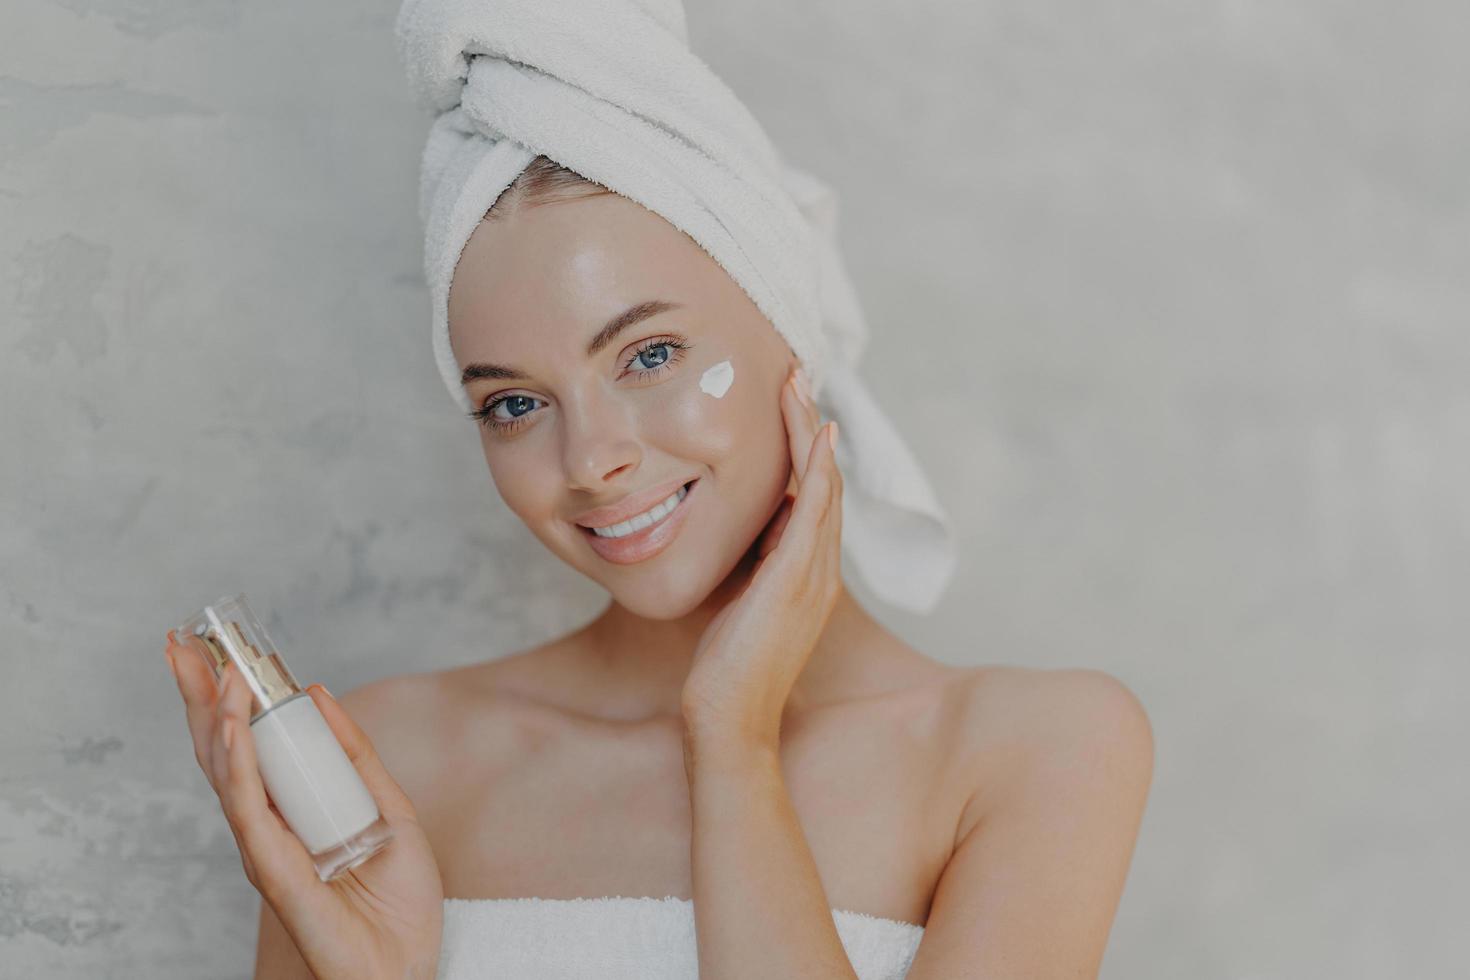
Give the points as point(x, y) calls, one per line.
point(600, 446)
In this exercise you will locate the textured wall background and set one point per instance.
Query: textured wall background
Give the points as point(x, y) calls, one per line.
point(1172, 299)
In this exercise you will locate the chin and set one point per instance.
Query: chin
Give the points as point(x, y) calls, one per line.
point(661, 601)
point(676, 582)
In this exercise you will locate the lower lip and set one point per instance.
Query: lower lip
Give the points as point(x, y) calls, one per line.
point(646, 542)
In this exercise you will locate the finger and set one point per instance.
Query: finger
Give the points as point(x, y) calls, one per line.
point(814, 414)
point(776, 527)
point(800, 425)
point(826, 562)
point(821, 467)
point(814, 503)
point(200, 692)
point(392, 801)
point(809, 406)
point(218, 751)
point(832, 523)
point(196, 681)
point(275, 860)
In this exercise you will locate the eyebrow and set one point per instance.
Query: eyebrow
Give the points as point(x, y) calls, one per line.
point(629, 317)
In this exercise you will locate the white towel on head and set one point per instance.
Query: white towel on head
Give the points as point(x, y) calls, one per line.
point(610, 89)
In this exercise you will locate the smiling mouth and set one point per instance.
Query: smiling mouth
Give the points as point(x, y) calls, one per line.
point(649, 518)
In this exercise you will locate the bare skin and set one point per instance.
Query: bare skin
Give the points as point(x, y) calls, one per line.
point(564, 798)
point(532, 779)
point(997, 806)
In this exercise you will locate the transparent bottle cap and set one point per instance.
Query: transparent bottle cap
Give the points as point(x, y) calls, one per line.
point(228, 631)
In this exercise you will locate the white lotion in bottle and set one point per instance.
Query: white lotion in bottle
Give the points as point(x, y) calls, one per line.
point(307, 774)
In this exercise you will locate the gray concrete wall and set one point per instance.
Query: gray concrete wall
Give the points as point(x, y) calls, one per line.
point(1192, 278)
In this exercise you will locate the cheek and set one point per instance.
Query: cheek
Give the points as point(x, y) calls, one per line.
point(711, 414)
point(522, 484)
point(716, 380)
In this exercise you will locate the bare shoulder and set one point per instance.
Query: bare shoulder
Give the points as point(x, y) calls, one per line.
point(430, 727)
point(405, 707)
point(1045, 705)
point(434, 701)
point(391, 703)
point(1027, 730)
point(405, 717)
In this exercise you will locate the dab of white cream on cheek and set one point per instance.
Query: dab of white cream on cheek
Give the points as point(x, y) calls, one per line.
point(717, 380)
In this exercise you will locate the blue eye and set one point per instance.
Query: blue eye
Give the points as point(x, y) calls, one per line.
point(518, 407)
point(658, 353)
point(649, 360)
point(662, 350)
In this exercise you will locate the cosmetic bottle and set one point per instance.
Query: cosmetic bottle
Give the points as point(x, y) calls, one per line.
point(309, 778)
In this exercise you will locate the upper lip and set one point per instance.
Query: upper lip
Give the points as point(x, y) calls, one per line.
point(630, 506)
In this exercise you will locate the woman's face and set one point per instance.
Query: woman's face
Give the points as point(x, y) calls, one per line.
point(689, 391)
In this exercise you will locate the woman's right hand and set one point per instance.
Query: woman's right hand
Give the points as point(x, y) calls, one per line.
point(383, 918)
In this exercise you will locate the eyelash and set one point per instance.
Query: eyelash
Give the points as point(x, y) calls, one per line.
point(678, 345)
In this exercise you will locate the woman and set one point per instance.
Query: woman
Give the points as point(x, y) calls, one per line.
point(733, 733)
point(733, 728)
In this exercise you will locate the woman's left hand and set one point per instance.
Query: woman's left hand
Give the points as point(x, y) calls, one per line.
point(753, 650)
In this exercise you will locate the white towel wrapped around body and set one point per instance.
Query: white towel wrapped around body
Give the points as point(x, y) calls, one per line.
point(611, 90)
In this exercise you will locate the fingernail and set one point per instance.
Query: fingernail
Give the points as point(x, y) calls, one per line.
point(832, 434)
point(803, 385)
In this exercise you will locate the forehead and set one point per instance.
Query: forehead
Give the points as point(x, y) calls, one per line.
point(561, 269)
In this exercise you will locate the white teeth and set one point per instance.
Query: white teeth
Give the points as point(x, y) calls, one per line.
point(651, 516)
